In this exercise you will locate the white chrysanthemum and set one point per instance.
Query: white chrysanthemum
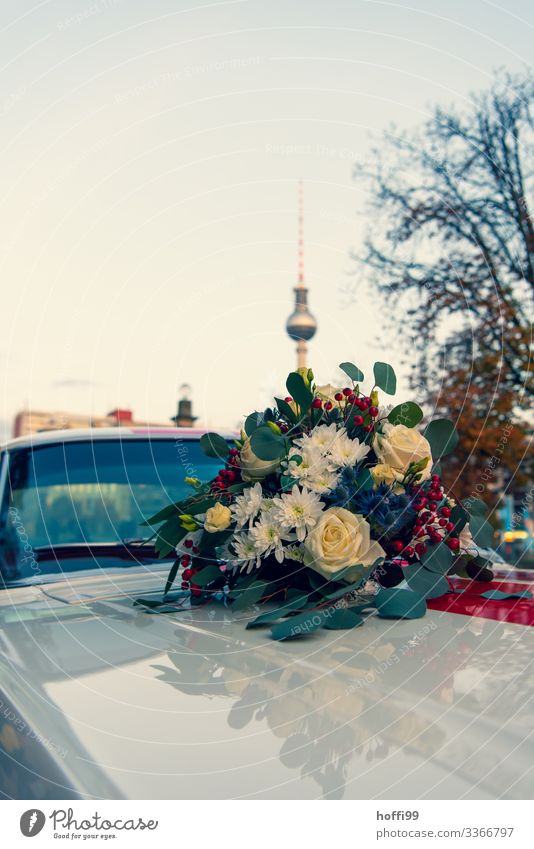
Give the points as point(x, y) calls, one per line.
point(247, 506)
point(267, 537)
point(245, 553)
point(348, 452)
point(298, 510)
point(323, 482)
point(311, 463)
point(322, 437)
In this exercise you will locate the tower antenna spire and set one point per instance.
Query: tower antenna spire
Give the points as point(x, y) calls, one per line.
point(301, 325)
point(301, 234)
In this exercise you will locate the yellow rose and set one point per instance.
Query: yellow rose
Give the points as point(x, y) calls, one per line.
point(388, 475)
point(398, 446)
point(252, 468)
point(218, 518)
point(338, 540)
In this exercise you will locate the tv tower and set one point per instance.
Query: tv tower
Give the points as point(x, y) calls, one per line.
point(301, 325)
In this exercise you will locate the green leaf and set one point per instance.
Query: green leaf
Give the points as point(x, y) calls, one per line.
point(481, 530)
point(342, 619)
point(442, 436)
point(195, 507)
point(267, 445)
point(459, 517)
point(214, 445)
point(399, 604)
point(169, 535)
point(352, 371)
point(248, 596)
point(294, 603)
point(298, 626)
point(475, 507)
point(425, 583)
point(172, 575)
point(409, 414)
point(207, 575)
point(299, 391)
point(252, 422)
point(165, 513)
point(285, 410)
point(148, 602)
point(499, 594)
point(438, 558)
point(385, 378)
point(365, 480)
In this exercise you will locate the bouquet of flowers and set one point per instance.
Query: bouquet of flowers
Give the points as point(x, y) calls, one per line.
point(326, 503)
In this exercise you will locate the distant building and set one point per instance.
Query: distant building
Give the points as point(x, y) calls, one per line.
point(184, 414)
point(33, 421)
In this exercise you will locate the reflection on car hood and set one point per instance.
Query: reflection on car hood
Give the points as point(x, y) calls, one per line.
point(191, 705)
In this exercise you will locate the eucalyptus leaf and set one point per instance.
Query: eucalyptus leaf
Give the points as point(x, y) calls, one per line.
point(501, 595)
point(438, 558)
point(252, 422)
point(425, 583)
point(298, 626)
point(481, 530)
point(352, 371)
point(459, 517)
point(396, 603)
point(206, 575)
point(266, 444)
point(442, 436)
point(342, 619)
point(475, 507)
point(385, 378)
point(408, 414)
point(214, 445)
point(249, 596)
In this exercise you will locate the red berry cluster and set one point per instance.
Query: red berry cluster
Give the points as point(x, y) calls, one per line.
point(227, 476)
point(432, 521)
point(190, 571)
point(350, 399)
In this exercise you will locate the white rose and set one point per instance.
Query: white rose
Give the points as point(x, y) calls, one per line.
point(252, 468)
point(398, 446)
point(338, 540)
point(218, 518)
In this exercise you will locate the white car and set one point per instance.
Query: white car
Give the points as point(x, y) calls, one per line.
point(103, 699)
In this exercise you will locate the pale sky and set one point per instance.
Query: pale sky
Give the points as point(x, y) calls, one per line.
point(150, 159)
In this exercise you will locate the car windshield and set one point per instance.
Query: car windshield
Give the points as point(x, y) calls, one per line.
point(92, 492)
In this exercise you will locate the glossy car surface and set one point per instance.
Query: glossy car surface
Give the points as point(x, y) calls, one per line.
point(100, 698)
point(104, 699)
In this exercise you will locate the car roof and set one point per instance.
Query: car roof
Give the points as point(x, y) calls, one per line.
point(54, 437)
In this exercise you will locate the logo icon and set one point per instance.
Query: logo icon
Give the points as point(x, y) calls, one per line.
point(32, 822)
